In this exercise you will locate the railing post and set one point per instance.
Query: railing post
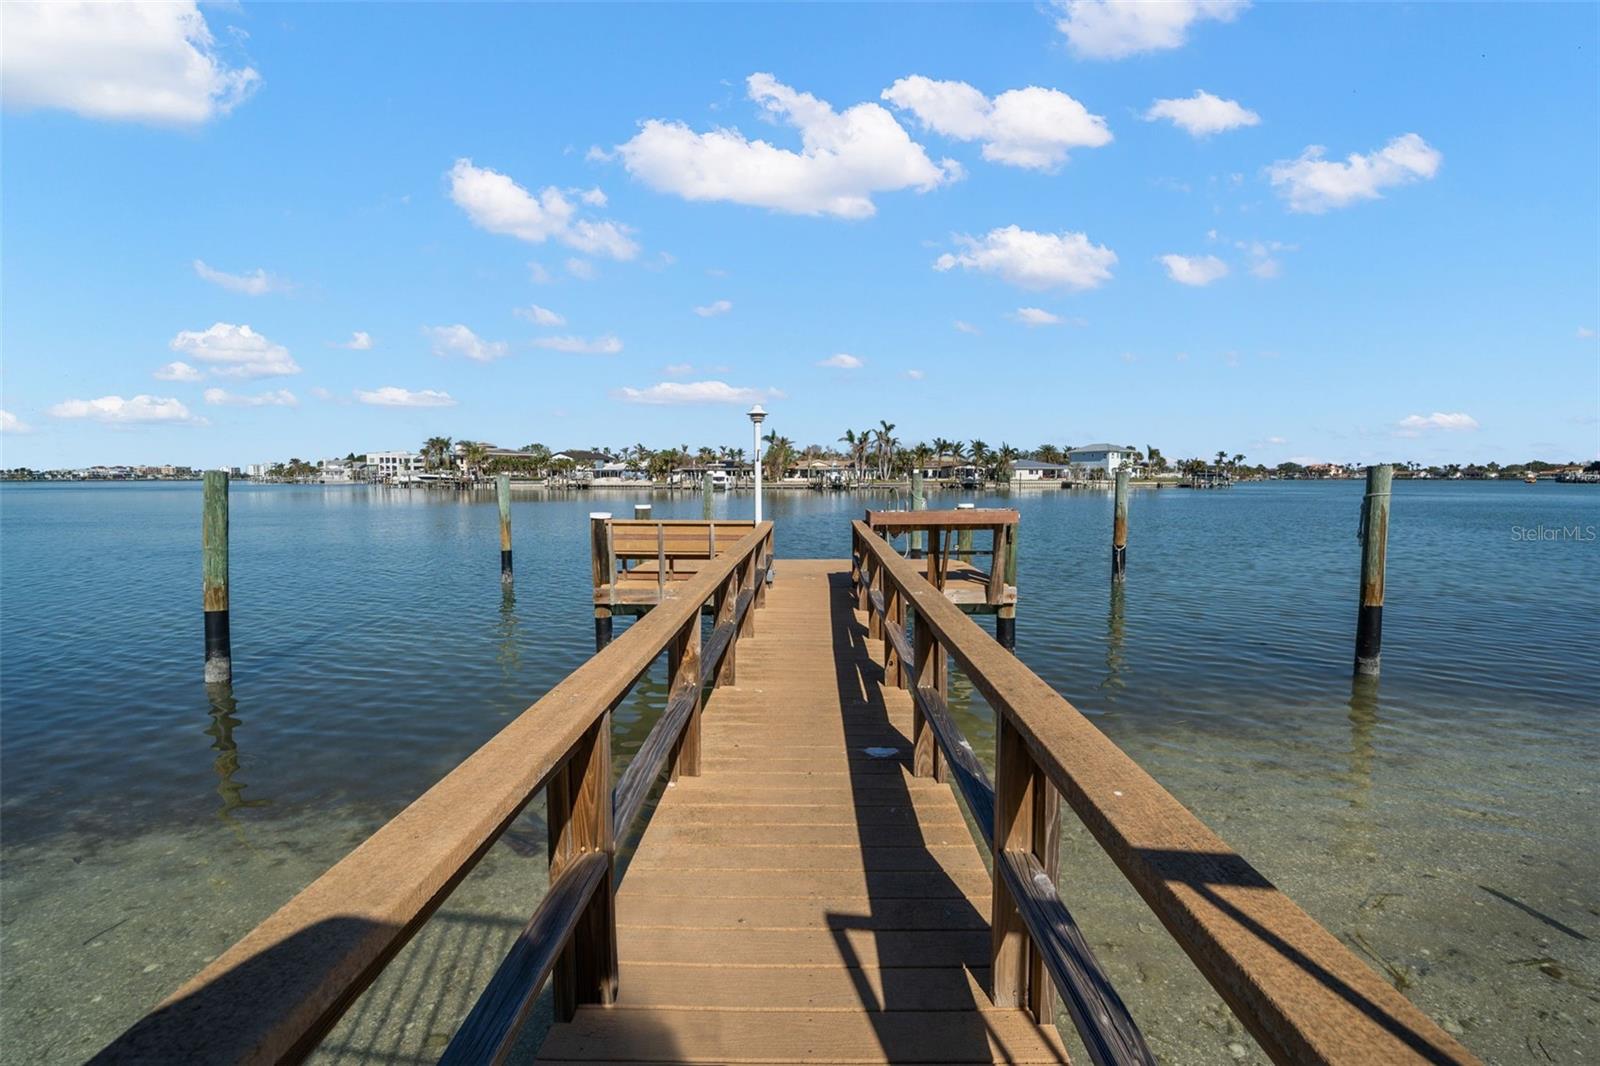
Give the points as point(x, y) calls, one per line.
point(763, 561)
point(877, 583)
point(683, 671)
point(603, 567)
point(894, 671)
point(727, 601)
point(578, 811)
point(747, 579)
point(928, 671)
point(1026, 818)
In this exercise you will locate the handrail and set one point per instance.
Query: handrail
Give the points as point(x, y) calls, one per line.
point(277, 991)
point(1302, 994)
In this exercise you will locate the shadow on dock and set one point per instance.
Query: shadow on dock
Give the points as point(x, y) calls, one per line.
point(907, 981)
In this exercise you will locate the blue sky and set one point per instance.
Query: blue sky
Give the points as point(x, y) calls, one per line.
point(984, 208)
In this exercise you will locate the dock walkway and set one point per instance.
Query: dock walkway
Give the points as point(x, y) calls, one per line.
point(806, 897)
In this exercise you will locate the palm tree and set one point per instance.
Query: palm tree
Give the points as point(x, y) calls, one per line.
point(434, 451)
point(1003, 460)
point(921, 453)
point(886, 443)
point(475, 455)
point(1047, 453)
point(980, 458)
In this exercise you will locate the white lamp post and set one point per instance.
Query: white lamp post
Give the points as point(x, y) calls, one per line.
point(757, 416)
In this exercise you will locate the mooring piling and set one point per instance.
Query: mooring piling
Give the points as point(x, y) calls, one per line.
point(214, 576)
point(1005, 621)
point(705, 496)
point(919, 502)
point(604, 563)
point(502, 491)
point(641, 512)
point(964, 535)
point(1119, 528)
point(1374, 536)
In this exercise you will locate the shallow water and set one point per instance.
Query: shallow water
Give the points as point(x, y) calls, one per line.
point(1443, 824)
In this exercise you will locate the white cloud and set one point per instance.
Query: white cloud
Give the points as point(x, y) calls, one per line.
point(1115, 29)
point(1585, 333)
point(1034, 260)
point(132, 411)
point(496, 203)
point(677, 370)
point(697, 392)
point(235, 351)
point(844, 158)
point(1413, 425)
point(966, 327)
point(1263, 255)
point(540, 316)
point(841, 361)
point(1313, 184)
point(1202, 114)
point(712, 310)
point(1036, 316)
point(1194, 269)
point(360, 341)
point(392, 396)
point(147, 62)
point(581, 269)
point(275, 398)
point(1032, 127)
point(606, 345)
point(459, 340)
point(255, 283)
point(10, 423)
point(178, 371)
point(915, 375)
point(595, 197)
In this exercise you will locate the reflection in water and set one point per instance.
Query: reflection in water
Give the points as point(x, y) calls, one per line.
point(1114, 634)
point(1354, 838)
point(224, 718)
point(508, 653)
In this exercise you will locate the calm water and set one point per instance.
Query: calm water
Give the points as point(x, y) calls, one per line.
point(1443, 824)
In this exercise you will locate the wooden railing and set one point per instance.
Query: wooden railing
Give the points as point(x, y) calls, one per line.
point(615, 543)
point(274, 994)
point(1303, 995)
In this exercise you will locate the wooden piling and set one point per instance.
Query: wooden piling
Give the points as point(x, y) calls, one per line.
point(705, 496)
point(919, 502)
point(1119, 528)
point(604, 565)
point(1374, 551)
point(641, 512)
point(964, 535)
point(502, 490)
point(214, 576)
point(1005, 620)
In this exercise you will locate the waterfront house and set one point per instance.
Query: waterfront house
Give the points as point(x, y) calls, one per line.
point(1096, 461)
point(1032, 471)
point(394, 468)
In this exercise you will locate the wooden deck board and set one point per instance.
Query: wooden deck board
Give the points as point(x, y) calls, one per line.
point(804, 900)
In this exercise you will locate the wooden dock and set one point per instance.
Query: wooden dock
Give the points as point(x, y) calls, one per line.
point(806, 898)
point(808, 889)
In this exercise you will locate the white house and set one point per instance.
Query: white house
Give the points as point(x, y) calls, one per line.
point(1029, 471)
point(1099, 460)
point(398, 467)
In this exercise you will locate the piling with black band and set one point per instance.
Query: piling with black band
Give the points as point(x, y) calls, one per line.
point(1119, 528)
point(214, 575)
point(1374, 535)
point(502, 488)
point(1005, 621)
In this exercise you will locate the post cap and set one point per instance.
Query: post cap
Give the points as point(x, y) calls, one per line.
point(966, 507)
point(599, 514)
